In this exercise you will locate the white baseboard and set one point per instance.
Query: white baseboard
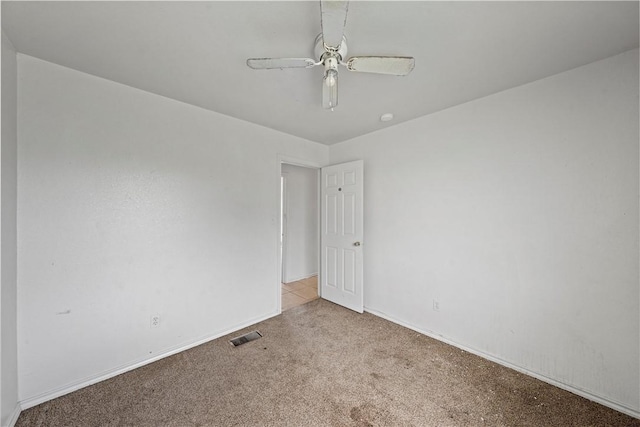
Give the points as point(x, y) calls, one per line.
point(11, 421)
point(69, 388)
point(52, 394)
point(305, 276)
point(587, 395)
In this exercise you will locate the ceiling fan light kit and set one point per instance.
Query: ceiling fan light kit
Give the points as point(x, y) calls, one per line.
point(330, 86)
point(330, 49)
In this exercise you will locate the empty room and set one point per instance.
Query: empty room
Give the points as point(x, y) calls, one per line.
point(321, 213)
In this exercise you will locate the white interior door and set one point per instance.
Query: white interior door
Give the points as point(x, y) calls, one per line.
point(342, 234)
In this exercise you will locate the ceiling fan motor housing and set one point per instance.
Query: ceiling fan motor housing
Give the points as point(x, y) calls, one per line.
point(320, 49)
point(330, 63)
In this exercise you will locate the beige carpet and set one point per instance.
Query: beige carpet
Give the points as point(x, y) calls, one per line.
point(308, 370)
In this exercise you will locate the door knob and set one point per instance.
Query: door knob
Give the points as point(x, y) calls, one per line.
point(356, 244)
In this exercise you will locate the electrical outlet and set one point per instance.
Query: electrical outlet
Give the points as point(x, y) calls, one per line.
point(155, 321)
point(436, 305)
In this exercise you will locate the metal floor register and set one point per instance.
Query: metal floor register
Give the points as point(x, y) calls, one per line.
point(251, 336)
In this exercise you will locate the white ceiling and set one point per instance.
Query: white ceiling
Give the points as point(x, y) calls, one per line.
point(195, 52)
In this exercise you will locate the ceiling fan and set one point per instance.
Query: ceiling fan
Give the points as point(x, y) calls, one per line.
point(331, 49)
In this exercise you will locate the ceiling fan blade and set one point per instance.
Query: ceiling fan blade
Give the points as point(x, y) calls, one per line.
point(273, 63)
point(334, 18)
point(395, 65)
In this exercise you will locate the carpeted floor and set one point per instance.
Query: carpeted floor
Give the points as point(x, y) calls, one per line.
point(308, 370)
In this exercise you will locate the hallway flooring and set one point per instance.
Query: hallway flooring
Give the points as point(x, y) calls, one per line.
point(299, 292)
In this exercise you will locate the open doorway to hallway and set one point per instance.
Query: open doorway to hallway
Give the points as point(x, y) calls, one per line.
point(299, 292)
point(299, 243)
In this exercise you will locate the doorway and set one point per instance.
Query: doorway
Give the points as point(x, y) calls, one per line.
point(299, 234)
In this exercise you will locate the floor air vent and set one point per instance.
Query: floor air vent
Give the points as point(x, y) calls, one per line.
point(246, 338)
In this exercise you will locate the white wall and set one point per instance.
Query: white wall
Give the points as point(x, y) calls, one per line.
point(301, 254)
point(518, 212)
point(132, 205)
point(8, 264)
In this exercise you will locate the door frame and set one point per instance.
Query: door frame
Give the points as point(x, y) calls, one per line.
point(284, 210)
point(288, 160)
